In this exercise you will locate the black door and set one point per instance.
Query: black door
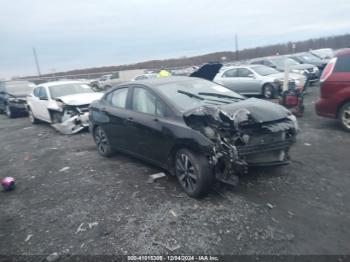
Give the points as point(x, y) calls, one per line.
point(150, 136)
point(116, 113)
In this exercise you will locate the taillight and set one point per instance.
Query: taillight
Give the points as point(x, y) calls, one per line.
point(328, 70)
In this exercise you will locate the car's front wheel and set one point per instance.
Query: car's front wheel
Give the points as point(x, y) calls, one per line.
point(344, 116)
point(102, 142)
point(193, 172)
point(8, 111)
point(31, 116)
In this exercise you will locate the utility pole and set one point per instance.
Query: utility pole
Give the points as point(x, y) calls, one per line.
point(236, 42)
point(36, 62)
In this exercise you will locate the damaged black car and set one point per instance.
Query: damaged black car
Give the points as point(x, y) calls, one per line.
point(196, 129)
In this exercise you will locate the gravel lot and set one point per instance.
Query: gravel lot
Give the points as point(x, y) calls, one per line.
point(106, 206)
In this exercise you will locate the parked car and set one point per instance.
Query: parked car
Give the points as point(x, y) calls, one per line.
point(335, 89)
point(107, 81)
point(325, 54)
point(256, 80)
point(13, 97)
point(144, 76)
point(196, 129)
point(309, 58)
point(65, 104)
point(278, 62)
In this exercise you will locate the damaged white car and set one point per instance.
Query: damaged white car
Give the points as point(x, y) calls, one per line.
point(64, 104)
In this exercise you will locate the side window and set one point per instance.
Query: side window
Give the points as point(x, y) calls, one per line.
point(36, 91)
point(343, 64)
point(43, 93)
point(244, 72)
point(230, 73)
point(118, 97)
point(259, 62)
point(145, 102)
point(267, 63)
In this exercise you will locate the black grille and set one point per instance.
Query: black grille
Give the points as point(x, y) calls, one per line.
point(263, 148)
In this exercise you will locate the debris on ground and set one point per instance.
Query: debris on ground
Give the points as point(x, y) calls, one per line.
point(53, 257)
point(269, 205)
point(153, 178)
point(307, 144)
point(8, 183)
point(171, 247)
point(64, 169)
point(173, 213)
point(27, 157)
point(28, 238)
point(91, 225)
point(80, 228)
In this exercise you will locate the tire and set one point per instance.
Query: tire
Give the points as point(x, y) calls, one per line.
point(268, 91)
point(9, 113)
point(102, 142)
point(344, 116)
point(193, 173)
point(32, 118)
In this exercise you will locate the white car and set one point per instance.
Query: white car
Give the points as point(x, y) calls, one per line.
point(144, 76)
point(64, 104)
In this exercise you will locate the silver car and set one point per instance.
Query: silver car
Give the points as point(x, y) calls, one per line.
point(256, 80)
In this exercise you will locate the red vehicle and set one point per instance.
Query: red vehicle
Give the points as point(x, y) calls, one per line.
point(335, 89)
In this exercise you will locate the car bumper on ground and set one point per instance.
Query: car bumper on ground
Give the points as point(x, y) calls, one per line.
point(18, 107)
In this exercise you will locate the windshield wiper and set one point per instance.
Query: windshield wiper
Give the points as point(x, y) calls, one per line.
point(191, 95)
point(220, 96)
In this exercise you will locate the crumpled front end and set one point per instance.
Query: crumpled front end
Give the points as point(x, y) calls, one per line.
point(240, 141)
point(71, 119)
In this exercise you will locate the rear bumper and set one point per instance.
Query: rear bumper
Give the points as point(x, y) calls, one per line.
point(326, 108)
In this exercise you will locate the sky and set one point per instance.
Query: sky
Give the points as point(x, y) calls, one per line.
point(74, 34)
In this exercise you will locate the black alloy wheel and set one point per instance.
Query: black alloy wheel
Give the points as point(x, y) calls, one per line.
point(102, 142)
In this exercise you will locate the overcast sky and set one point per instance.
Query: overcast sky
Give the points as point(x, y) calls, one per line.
point(72, 34)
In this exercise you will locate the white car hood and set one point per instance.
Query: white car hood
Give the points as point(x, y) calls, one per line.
point(80, 99)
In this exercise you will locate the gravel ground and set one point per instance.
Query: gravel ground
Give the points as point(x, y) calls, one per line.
point(105, 206)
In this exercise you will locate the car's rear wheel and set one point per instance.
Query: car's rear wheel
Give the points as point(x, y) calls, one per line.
point(268, 91)
point(193, 172)
point(102, 142)
point(8, 111)
point(344, 116)
point(31, 116)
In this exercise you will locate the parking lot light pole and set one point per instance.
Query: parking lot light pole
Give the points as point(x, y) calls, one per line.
point(36, 62)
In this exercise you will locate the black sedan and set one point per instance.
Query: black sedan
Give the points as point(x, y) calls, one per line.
point(13, 97)
point(197, 130)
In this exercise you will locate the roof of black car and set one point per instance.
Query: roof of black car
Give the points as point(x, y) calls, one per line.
point(162, 80)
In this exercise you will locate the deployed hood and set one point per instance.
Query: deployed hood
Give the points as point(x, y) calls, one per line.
point(207, 71)
point(259, 110)
point(80, 99)
point(18, 95)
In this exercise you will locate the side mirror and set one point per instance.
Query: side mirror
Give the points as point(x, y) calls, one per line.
point(251, 76)
point(273, 66)
point(43, 98)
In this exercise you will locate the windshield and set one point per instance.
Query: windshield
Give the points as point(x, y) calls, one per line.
point(192, 93)
point(264, 70)
point(310, 58)
point(19, 87)
point(279, 61)
point(69, 89)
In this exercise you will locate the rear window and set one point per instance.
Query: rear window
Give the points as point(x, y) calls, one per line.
point(343, 64)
